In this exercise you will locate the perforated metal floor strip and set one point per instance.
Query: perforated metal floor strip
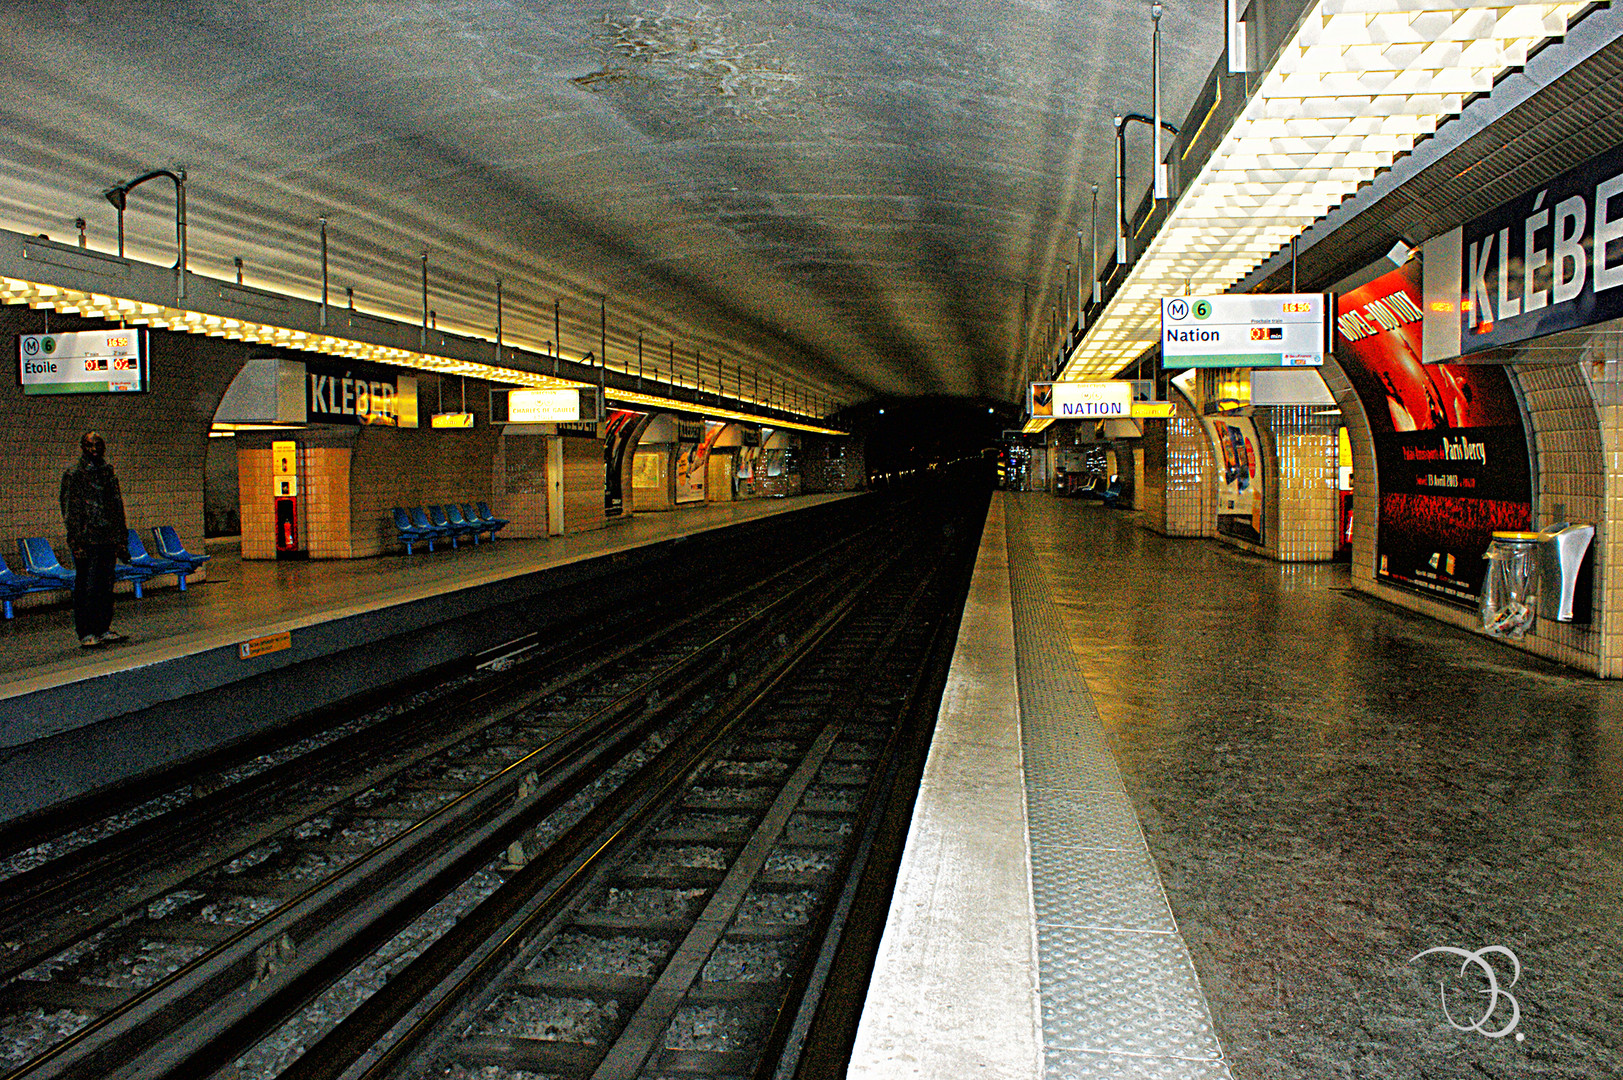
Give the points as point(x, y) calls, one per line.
point(1120, 997)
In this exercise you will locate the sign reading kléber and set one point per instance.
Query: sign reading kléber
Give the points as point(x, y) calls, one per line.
point(86, 362)
point(1083, 400)
point(1548, 260)
point(359, 393)
point(1245, 330)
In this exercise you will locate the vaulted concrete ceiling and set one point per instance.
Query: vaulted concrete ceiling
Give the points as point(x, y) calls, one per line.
point(850, 195)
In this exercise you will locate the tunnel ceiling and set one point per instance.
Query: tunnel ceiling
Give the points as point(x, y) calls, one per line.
point(849, 195)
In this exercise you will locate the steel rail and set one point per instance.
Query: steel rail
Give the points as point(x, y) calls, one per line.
point(208, 974)
point(546, 886)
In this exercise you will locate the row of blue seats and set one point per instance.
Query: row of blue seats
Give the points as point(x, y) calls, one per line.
point(44, 572)
point(449, 522)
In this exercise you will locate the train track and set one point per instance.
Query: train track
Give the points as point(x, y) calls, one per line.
point(698, 782)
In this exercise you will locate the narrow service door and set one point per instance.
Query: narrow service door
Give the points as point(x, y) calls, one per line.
point(555, 486)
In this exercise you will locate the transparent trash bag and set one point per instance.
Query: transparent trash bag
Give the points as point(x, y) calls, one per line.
point(1510, 589)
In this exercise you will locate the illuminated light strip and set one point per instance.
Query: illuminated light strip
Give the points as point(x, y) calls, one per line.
point(655, 401)
point(1357, 86)
point(97, 305)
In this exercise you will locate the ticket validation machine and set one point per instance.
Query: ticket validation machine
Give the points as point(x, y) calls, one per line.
point(285, 496)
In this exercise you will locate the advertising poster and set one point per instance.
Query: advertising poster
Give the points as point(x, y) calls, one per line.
point(1239, 506)
point(1450, 451)
point(692, 460)
point(618, 432)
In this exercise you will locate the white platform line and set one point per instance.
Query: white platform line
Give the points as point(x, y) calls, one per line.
point(954, 989)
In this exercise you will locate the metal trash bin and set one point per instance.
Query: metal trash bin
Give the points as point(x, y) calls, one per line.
point(1510, 589)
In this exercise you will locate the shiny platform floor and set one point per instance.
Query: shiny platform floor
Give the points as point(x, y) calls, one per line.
point(1327, 787)
point(244, 599)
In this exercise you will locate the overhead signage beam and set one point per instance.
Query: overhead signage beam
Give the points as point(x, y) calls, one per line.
point(1247, 330)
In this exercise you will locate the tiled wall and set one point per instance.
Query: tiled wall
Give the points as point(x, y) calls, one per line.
point(1571, 486)
point(1574, 414)
point(1152, 492)
point(1191, 493)
point(660, 496)
point(831, 464)
point(520, 472)
point(258, 510)
point(156, 441)
point(1603, 372)
point(416, 467)
point(583, 485)
point(1302, 492)
point(352, 478)
point(324, 502)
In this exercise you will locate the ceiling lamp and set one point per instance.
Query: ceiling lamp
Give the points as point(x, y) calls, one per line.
point(140, 313)
point(1359, 83)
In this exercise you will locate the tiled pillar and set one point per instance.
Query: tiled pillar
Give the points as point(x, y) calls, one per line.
point(324, 503)
point(1152, 491)
point(1302, 493)
point(258, 514)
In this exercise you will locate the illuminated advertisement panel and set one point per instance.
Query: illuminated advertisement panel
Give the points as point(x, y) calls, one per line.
point(619, 430)
point(1450, 451)
point(1239, 505)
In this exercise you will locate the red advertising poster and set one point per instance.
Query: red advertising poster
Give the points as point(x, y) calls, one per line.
point(1450, 451)
point(690, 464)
point(617, 435)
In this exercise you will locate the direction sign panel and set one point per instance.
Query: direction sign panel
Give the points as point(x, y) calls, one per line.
point(86, 362)
point(1082, 400)
point(553, 405)
point(1247, 330)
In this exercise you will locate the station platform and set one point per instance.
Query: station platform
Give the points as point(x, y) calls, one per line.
point(1190, 813)
point(73, 719)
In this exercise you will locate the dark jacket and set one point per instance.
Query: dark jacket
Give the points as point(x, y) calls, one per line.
point(93, 506)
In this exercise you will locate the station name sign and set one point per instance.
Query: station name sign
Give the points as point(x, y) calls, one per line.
point(87, 362)
point(1550, 260)
point(553, 405)
point(1244, 330)
point(359, 394)
point(1108, 400)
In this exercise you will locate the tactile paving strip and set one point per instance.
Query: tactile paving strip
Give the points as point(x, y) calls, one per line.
point(1120, 997)
point(1103, 888)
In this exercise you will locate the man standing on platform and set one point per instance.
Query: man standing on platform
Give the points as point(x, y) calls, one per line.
point(93, 510)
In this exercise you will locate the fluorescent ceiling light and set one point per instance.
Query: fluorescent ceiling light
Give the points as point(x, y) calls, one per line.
point(1359, 83)
point(140, 313)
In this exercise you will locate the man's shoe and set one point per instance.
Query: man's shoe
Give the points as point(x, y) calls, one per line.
point(111, 636)
point(89, 641)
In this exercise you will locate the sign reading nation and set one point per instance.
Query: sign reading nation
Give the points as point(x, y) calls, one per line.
point(1450, 451)
point(87, 362)
point(1111, 400)
point(1244, 330)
